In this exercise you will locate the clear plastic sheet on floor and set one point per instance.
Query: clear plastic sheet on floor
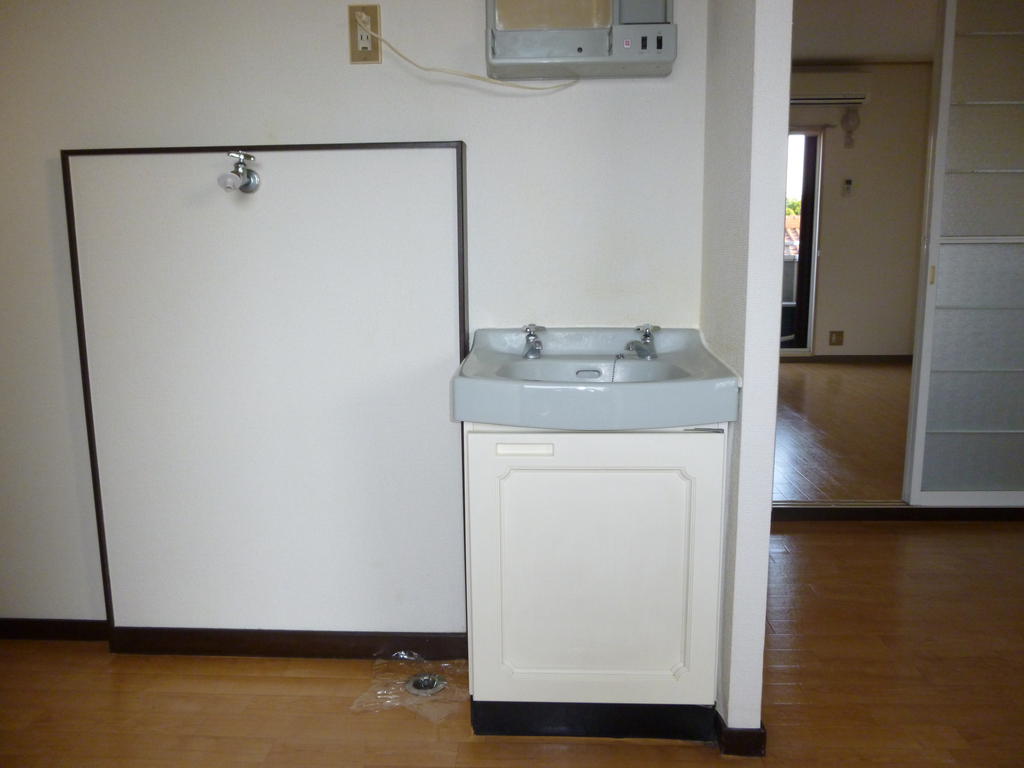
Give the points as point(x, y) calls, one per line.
point(433, 689)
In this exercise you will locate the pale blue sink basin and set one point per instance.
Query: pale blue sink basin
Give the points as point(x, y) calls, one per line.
point(585, 380)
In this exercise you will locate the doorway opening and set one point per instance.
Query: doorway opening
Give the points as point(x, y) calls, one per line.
point(800, 246)
point(841, 426)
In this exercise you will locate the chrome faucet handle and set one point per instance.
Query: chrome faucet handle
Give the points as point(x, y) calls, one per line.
point(647, 330)
point(533, 344)
point(242, 157)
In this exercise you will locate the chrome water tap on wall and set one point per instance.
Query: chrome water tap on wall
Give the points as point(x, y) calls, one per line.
point(534, 345)
point(240, 177)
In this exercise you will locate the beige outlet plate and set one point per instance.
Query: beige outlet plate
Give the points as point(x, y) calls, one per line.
point(355, 54)
point(835, 338)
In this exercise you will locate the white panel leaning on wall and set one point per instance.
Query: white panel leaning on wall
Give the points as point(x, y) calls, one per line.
point(270, 388)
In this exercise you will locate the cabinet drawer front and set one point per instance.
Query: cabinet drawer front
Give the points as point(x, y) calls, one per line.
point(595, 568)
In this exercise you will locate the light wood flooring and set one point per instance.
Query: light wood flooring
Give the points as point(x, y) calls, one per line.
point(888, 644)
point(841, 433)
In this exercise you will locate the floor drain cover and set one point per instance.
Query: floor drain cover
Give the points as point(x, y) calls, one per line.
point(426, 684)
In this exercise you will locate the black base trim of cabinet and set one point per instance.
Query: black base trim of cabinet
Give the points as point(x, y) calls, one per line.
point(618, 721)
point(741, 742)
point(54, 629)
point(894, 512)
point(297, 643)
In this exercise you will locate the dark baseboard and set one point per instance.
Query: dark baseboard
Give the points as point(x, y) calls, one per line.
point(901, 359)
point(741, 742)
point(54, 629)
point(618, 721)
point(893, 512)
point(293, 643)
point(240, 642)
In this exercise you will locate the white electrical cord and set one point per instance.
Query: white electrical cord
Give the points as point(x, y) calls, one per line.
point(459, 72)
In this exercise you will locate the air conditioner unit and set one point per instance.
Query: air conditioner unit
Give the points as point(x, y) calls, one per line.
point(828, 88)
point(556, 39)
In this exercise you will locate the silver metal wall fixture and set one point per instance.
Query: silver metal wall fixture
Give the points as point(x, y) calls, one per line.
point(566, 39)
point(241, 177)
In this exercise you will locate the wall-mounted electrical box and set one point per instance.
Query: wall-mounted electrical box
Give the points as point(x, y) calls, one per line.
point(555, 39)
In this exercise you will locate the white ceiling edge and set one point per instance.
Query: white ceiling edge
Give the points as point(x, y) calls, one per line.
point(866, 31)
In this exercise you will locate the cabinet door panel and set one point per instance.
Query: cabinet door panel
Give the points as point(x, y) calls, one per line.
point(612, 555)
point(595, 568)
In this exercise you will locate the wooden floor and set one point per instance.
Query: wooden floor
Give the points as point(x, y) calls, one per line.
point(896, 644)
point(841, 432)
point(888, 644)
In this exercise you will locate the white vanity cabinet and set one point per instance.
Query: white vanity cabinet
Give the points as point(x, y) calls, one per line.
point(594, 562)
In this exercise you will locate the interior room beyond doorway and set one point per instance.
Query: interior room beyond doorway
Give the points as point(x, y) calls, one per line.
point(841, 431)
point(844, 392)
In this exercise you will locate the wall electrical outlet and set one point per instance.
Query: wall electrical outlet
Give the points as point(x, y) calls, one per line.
point(363, 48)
point(835, 338)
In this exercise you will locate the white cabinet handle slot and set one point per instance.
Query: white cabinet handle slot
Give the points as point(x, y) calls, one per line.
point(525, 449)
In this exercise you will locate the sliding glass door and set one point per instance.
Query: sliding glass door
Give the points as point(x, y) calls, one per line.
point(800, 241)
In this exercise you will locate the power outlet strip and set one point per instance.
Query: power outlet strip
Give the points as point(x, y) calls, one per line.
point(363, 47)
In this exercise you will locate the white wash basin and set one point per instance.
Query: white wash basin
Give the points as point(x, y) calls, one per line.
point(585, 379)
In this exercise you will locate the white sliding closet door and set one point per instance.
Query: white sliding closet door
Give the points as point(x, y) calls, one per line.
point(269, 379)
point(968, 420)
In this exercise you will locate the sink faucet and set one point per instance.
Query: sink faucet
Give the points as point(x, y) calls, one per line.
point(533, 345)
point(644, 347)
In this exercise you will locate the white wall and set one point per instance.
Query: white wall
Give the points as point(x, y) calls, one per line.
point(742, 283)
point(870, 240)
point(584, 207)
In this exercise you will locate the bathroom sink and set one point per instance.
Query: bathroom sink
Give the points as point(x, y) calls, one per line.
point(589, 369)
point(585, 379)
